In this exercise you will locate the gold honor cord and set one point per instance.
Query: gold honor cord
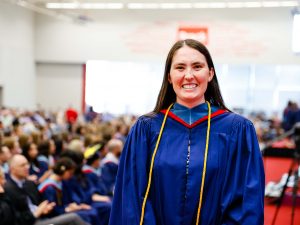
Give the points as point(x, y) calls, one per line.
point(204, 163)
point(153, 157)
point(151, 165)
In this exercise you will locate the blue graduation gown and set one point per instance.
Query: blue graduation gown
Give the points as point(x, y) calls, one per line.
point(95, 179)
point(38, 171)
point(234, 181)
point(56, 192)
point(82, 191)
point(109, 170)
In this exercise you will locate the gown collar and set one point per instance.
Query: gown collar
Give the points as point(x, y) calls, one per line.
point(191, 117)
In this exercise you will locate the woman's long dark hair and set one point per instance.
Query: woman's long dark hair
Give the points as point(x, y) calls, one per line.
point(44, 148)
point(167, 95)
point(25, 152)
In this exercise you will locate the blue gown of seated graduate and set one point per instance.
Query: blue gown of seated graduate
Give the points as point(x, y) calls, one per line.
point(93, 175)
point(109, 169)
point(81, 191)
point(234, 181)
point(55, 191)
point(38, 170)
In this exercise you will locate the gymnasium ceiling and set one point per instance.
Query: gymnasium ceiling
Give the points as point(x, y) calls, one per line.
point(89, 10)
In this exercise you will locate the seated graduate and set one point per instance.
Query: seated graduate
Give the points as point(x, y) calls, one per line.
point(110, 163)
point(38, 170)
point(22, 202)
point(53, 189)
point(47, 149)
point(91, 169)
point(83, 191)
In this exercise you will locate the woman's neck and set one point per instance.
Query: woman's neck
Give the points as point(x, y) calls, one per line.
point(191, 105)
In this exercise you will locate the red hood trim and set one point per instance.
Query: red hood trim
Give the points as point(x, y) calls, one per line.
point(173, 116)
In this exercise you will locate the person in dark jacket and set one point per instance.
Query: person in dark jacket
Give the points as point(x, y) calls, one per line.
point(6, 211)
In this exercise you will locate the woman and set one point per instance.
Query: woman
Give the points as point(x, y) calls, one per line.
point(38, 169)
point(198, 163)
point(47, 150)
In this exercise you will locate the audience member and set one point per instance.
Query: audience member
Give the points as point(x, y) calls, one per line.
point(110, 163)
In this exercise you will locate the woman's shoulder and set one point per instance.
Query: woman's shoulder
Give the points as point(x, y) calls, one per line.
point(145, 124)
point(147, 119)
point(237, 121)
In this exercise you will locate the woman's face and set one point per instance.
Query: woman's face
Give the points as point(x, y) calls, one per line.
point(189, 76)
point(33, 151)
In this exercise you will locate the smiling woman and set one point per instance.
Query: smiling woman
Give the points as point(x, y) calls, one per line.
point(189, 76)
point(191, 161)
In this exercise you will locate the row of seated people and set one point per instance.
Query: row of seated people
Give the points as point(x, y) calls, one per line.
point(75, 183)
point(22, 204)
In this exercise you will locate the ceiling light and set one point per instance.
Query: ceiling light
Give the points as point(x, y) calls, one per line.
point(201, 5)
point(142, 5)
point(167, 5)
point(252, 4)
point(62, 5)
point(101, 5)
point(235, 4)
point(270, 4)
point(288, 3)
point(217, 5)
point(85, 5)
point(175, 5)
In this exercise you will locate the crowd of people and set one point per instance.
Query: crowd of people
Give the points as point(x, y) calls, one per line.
point(58, 168)
point(275, 131)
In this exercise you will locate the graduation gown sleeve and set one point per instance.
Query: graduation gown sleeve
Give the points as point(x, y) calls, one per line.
point(243, 190)
point(132, 176)
point(108, 174)
point(51, 194)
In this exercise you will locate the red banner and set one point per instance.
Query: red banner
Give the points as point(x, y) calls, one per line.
point(197, 33)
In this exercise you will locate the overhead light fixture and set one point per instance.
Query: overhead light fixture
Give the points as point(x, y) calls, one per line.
point(201, 5)
point(217, 5)
point(235, 4)
point(62, 5)
point(143, 6)
point(252, 4)
point(177, 5)
point(77, 5)
point(289, 3)
point(271, 4)
point(102, 5)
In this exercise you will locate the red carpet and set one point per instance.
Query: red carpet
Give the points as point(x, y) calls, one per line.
point(274, 169)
